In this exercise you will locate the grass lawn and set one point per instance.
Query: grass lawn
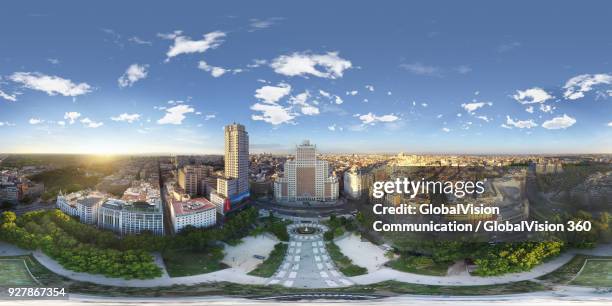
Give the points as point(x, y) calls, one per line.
point(566, 273)
point(13, 272)
point(388, 288)
point(187, 262)
point(595, 273)
point(411, 264)
point(344, 264)
point(271, 264)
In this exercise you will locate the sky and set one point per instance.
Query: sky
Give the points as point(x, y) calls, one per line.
point(351, 76)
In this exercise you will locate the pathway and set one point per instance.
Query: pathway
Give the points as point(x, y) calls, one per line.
point(307, 263)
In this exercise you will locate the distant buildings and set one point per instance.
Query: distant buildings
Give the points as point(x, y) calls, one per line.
point(193, 179)
point(197, 212)
point(549, 167)
point(234, 186)
point(306, 178)
point(15, 187)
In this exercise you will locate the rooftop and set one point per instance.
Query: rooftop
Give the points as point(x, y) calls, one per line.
point(191, 206)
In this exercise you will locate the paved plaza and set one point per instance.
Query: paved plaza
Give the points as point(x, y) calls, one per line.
point(307, 263)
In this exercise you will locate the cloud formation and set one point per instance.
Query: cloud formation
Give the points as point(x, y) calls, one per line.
point(372, 119)
point(125, 117)
point(176, 114)
point(52, 85)
point(185, 45)
point(132, 74)
point(532, 95)
point(329, 65)
point(71, 116)
point(521, 124)
point(473, 106)
point(90, 123)
point(4, 95)
point(557, 123)
point(272, 94)
point(576, 87)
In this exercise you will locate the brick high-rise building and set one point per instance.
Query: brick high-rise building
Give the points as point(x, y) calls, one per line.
point(306, 178)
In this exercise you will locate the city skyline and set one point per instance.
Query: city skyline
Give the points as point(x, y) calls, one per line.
point(376, 79)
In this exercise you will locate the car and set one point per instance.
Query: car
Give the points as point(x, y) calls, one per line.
point(259, 257)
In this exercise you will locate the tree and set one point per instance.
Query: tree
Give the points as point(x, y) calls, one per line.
point(9, 217)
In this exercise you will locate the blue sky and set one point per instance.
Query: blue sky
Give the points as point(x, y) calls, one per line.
point(351, 76)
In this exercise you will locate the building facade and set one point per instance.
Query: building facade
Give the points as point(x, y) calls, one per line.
point(234, 186)
point(82, 204)
point(356, 183)
point(306, 179)
point(192, 179)
point(131, 218)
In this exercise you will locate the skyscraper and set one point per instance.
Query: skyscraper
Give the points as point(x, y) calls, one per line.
point(234, 186)
point(306, 178)
point(237, 156)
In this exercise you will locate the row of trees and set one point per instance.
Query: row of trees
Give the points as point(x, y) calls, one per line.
point(83, 248)
point(41, 230)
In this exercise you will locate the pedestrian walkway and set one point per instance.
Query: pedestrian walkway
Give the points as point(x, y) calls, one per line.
point(307, 263)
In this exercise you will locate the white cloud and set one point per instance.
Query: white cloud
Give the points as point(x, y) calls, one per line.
point(62, 123)
point(185, 45)
point(53, 61)
point(424, 104)
point(338, 100)
point(532, 95)
point(258, 24)
point(305, 107)
point(471, 107)
point(273, 113)
point(8, 97)
point(530, 109)
point(578, 85)
point(90, 123)
point(125, 117)
point(389, 93)
point(521, 124)
point(546, 108)
point(132, 74)
point(71, 116)
point(325, 94)
point(484, 118)
point(216, 71)
point(328, 65)
point(35, 121)
point(310, 110)
point(370, 118)
point(271, 94)
point(420, 69)
point(138, 40)
point(211, 116)
point(52, 85)
point(556, 123)
point(369, 87)
point(6, 123)
point(257, 62)
point(446, 130)
point(332, 127)
point(352, 93)
point(610, 123)
point(176, 114)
